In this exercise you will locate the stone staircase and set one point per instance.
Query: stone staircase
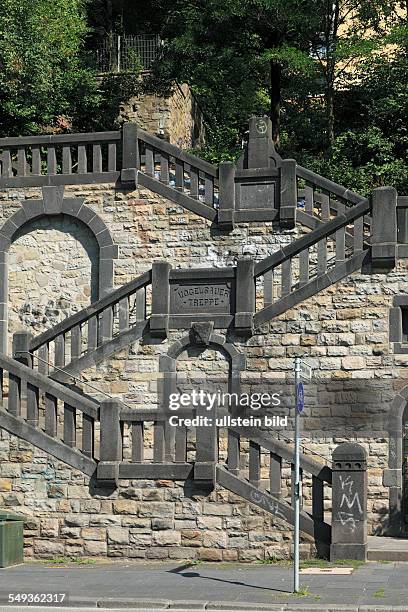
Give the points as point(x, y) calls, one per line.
point(44, 413)
point(340, 233)
point(90, 438)
point(260, 292)
point(248, 483)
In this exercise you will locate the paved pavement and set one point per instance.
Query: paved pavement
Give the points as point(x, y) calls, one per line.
point(208, 586)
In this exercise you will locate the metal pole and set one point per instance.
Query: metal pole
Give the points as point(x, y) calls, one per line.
point(297, 483)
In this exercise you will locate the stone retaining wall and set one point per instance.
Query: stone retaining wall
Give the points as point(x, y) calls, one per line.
point(69, 516)
point(177, 118)
point(343, 332)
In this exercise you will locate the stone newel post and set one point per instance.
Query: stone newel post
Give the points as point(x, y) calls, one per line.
point(21, 348)
point(159, 319)
point(111, 441)
point(21, 353)
point(130, 154)
point(349, 503)
point(226, 208)
point(384, 228)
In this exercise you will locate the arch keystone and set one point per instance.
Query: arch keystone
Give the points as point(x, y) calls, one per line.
point(52, 198)
point(200, 333)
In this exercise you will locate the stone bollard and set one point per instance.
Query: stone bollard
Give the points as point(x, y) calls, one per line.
point(349, 503)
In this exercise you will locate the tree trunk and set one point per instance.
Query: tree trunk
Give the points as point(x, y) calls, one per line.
point(110, 25)
point(331, 40)
point(275, 93)
point(330, 114)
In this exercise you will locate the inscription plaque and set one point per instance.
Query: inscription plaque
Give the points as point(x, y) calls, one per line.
point(257, 195)
point(204, 298)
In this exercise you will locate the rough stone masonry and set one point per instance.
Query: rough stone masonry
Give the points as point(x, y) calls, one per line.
point(343, 332)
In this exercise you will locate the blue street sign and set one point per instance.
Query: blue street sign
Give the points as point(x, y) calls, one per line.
point(300, 397)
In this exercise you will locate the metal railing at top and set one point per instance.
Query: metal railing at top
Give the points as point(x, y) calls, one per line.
point(118, 53)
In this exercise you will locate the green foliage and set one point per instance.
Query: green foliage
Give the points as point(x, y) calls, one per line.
point(221, 145)
point(39, 48)
point(360, 160)
point(317, 562)
point(45, 83)
point(371, 148)
point(226, 50)
point(291, 58)
point(240, 58)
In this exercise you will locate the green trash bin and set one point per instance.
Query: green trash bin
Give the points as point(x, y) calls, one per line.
point(11, 539)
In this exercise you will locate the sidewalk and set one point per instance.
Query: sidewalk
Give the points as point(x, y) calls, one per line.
point(208, 586)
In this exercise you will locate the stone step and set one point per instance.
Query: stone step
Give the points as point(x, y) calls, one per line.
point(387, 549)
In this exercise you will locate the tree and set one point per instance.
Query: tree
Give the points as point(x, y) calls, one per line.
point(243, 56)
point(370, 147)
point(236, 54)
point(352, 31)
point(39, 45)
point(45, 82)
point(107, 17)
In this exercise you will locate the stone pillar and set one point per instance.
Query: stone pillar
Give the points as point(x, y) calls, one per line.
point(384, 228)
point(111, 441)
point(402, 224)
point(226, 195)
point(21, 348)
point(259, 142)
point(288, 193)
point(130, 154)
point(349, 503)
point(245, 297)
point(206, 447)
point(159, 319)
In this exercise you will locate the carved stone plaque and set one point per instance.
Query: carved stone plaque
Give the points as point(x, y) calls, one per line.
point(255, 195)
point(205, 297)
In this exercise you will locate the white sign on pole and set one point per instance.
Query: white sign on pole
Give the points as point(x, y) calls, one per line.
point(305, 370)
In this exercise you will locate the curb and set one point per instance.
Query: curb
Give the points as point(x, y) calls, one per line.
point(228, 606)
point(222, 606)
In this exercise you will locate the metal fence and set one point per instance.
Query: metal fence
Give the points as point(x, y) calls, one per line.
point(117, 53)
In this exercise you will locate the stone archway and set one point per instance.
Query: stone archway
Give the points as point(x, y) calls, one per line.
point(53, 204)
point(200, 336)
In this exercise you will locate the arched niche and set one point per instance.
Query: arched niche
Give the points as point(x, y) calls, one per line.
point(53, 205)
point(200, 338)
